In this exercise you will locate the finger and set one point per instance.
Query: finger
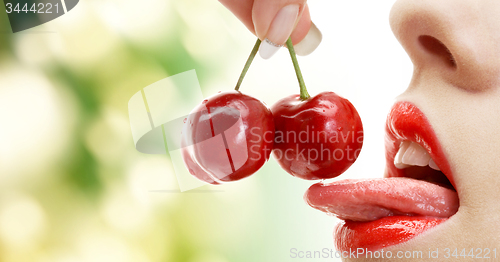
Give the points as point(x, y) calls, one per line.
point(274, 22)
point(276, 17)
point(306, 37)
point(242, 9)
point(302, 26)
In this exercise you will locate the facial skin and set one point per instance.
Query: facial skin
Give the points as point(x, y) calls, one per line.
point(459, 92)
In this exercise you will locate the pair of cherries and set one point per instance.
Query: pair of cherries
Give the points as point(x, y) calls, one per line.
point(230, 135)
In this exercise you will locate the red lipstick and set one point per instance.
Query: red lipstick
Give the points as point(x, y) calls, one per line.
point(406, 122)
point(383, 212)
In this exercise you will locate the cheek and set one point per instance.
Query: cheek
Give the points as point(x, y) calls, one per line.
point(468, 126)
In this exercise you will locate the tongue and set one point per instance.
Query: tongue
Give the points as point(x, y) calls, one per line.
point(368, 200)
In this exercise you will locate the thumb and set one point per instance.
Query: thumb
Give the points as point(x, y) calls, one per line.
point(274, 21)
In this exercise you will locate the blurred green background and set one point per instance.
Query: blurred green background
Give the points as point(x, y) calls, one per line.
point(72, 185)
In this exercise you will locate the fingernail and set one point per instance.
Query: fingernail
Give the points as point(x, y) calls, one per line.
point(281, 28)
point(268, 49)
point(310, 42)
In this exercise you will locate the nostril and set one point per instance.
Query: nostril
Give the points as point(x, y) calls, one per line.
point(435, 47)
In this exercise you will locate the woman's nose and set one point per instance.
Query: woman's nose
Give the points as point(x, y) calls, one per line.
point(454, 40)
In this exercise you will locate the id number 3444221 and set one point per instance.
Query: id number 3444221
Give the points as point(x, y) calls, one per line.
point(39, 8)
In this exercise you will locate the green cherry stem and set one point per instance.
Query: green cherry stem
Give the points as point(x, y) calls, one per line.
point(247, 64)
point(304, 95)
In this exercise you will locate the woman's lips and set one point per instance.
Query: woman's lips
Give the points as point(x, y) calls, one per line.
point(384, 232)
point(387, 211)
point(406, 122)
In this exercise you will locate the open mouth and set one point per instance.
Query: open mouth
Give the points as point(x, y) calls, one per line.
point(417, 193)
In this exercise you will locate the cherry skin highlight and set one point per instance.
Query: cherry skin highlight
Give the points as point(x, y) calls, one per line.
point(229, 136)
point(317, 138)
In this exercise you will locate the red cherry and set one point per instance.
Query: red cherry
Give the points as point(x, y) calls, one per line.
point(317, 138)
point(229, 136)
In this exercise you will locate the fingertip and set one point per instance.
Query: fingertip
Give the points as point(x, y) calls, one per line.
point(306, 37)
point(310, 42)
point(302, 27)
point(265, 11)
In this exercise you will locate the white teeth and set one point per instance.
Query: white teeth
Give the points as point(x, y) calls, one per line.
point(433, 165)
point(415, 155)
point(412, 154)
point(398, 160)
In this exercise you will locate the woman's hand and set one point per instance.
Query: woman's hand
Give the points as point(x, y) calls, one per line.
point(273, 21)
